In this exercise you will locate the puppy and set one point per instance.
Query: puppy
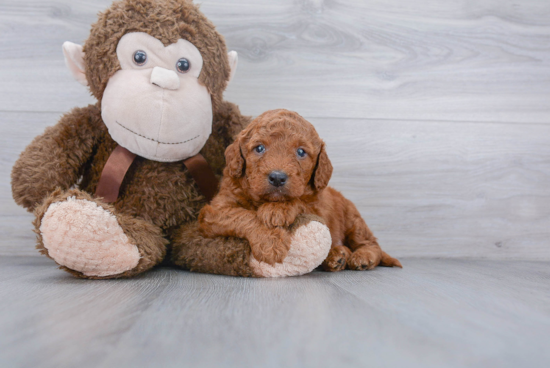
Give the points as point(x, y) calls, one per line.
point(278, 168)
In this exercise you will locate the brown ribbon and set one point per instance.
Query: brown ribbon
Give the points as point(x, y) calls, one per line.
point(113, 174)
point(121, 159)
point(201, 171)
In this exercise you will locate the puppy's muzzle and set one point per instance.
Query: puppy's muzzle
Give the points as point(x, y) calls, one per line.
point(277, 178)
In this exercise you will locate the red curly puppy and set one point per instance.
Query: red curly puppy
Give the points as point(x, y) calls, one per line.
point(278, 168)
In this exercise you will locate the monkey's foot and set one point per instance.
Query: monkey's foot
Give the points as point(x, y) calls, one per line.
point(84, 237)
point(311, 242)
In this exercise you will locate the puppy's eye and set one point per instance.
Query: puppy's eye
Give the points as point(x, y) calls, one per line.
point(260, 149)
point(183, 65)
point(140, 58)
point(300, 152)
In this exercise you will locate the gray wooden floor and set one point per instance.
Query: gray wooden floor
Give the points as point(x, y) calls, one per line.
point(436, 116)
point(433, 313)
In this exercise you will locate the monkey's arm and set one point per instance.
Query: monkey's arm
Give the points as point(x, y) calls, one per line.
point(55, 159)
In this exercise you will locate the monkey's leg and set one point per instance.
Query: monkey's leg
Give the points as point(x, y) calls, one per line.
point(89, 239)
point(309, 246)
point(367, 254)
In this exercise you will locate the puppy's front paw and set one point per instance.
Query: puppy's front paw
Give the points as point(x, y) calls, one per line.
point(337, 259)
point(364, 259)
point(205, 221)
point(276, 215)
point(309, 246)
point(270, 246)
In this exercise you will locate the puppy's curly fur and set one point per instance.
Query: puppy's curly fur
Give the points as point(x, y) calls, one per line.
point(250, 205)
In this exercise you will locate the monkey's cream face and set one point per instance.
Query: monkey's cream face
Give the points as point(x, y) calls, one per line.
point(155, 106)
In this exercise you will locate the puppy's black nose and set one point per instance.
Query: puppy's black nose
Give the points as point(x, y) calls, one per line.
point(277, 178)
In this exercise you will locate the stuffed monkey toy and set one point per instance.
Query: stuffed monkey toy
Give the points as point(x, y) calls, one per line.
point(116, 186)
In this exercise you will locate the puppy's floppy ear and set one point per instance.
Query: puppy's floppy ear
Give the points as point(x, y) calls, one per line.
point(323, 170)
point(234, 160)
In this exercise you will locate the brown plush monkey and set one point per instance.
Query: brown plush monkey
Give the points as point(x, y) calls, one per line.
point(108, 184)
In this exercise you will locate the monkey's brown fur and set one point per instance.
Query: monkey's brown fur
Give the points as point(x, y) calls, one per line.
point(152, 244)
point(248, 206)
point(167, 21)
point(220, 255)
point(155, 198)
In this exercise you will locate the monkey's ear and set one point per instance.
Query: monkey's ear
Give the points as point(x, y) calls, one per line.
point(323, 170)
point(233, 61)
point(234, 160)
point(74, 59)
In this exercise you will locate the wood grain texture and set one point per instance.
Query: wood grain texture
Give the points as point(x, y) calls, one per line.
point(433, 313)
point(476, 190)
point(436, 116)
point(458, 60)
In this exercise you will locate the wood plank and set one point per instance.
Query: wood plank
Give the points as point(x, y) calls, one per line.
point(79, 321)
point(426, 189)
point(433, 313)
point(18, 237)
point(461, 60)
point(446, 189)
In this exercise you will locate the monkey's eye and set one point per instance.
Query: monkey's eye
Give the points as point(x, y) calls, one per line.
point(260, 148)
point(183, 65)
point(140, 58)
point(300, 152)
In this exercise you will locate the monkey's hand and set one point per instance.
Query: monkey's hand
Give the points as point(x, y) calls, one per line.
point(55, 159)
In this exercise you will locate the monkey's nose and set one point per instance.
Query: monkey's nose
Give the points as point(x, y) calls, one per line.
point(277, 178)
point(165, 78)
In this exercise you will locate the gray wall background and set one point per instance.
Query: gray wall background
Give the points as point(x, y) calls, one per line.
point(436, 113)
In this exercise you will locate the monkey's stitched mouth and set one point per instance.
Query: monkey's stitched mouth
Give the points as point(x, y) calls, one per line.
point(154, 140)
